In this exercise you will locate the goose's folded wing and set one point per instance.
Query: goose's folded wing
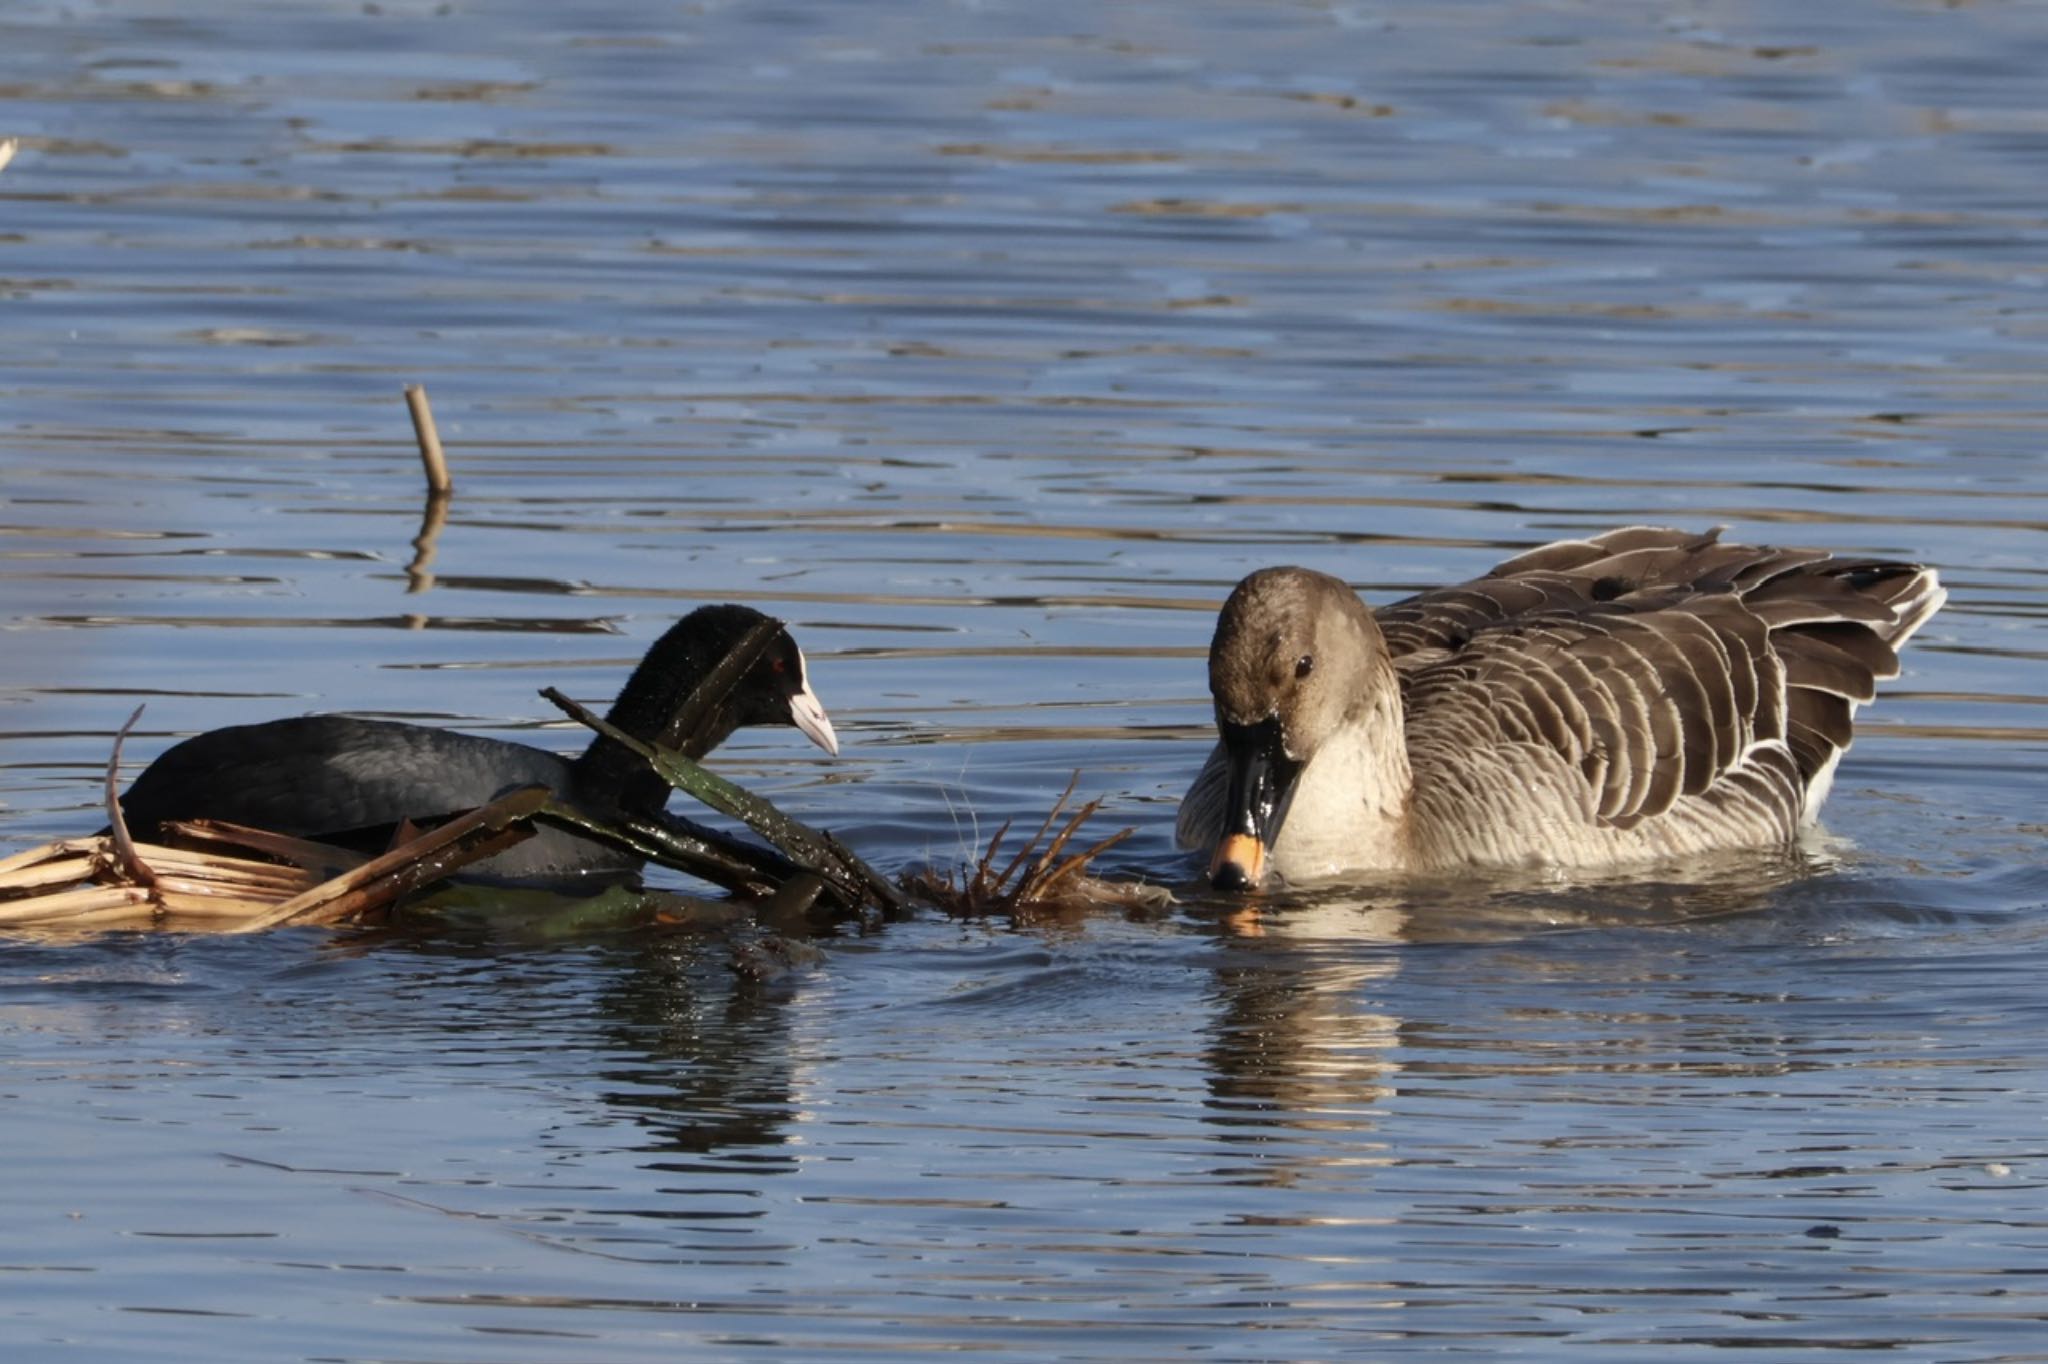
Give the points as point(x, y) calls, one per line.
point(1651, 565)
point(1646, 708)
point(1662, 692)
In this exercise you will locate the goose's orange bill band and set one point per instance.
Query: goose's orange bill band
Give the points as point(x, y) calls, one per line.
point(1247, 852)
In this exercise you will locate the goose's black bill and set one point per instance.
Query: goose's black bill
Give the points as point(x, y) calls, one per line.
point(1262, 779)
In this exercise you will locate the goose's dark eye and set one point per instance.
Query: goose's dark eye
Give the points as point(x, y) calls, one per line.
point(1304, 665)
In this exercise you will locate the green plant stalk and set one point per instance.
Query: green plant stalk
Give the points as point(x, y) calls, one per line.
point(735, 866)
point(852, 878)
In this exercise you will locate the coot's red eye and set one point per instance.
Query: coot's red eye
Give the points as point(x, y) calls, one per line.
point(779, 665)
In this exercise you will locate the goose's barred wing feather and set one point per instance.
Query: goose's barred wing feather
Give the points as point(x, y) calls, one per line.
point(1660, 664)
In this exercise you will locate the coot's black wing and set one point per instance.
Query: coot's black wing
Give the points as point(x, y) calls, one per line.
point(318, 775)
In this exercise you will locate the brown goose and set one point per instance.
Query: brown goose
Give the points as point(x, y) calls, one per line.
point(1643, 694)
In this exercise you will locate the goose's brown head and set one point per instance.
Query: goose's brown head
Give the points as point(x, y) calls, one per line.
point(1295, 655)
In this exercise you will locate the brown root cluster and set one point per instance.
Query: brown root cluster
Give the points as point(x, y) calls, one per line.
point(1035, 880)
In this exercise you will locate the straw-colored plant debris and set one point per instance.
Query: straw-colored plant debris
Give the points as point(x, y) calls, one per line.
point(82, 883)
point(222, 878)
point(1051, 880)
point(217, 877)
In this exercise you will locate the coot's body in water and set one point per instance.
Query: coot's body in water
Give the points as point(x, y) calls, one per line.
point(349, 781)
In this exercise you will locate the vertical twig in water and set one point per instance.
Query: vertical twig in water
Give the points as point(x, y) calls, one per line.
point(124, 846)
point(438, 482)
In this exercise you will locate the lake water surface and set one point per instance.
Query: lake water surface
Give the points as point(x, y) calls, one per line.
point(988, 344)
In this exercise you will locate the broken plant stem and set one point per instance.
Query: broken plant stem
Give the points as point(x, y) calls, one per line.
point(424, 431)
point(852, 878)
point(704, 854)
point(124, 846)
point(430, 857)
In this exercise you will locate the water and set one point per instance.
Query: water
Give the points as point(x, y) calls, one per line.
point(988, 344)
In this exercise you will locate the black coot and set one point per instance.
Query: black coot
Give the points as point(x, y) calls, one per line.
point(349, 781)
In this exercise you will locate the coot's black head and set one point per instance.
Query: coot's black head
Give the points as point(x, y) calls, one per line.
point(775, 690)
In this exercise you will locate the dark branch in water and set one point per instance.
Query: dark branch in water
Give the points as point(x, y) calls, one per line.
point(704, 853)
point(851, 880)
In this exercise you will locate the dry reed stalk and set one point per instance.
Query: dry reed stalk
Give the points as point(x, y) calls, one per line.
point(57, 890)
point(238, 884)
point(429, 438)
point(193, 862)
point(225, 908)
point(32, 857)
point(246, 879)
point(111, 916)
point(66, 903)
point(60, 870)
point(124, 847)
point(51, 886)
point(304, 852)
point(489, 829)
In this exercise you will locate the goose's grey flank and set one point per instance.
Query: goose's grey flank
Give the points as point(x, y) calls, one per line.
point(1643, 694)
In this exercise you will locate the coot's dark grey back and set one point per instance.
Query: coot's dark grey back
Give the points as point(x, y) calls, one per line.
point(331, 774)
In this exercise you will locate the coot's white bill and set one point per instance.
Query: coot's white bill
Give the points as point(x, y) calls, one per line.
point(810, 717)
